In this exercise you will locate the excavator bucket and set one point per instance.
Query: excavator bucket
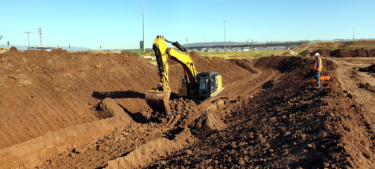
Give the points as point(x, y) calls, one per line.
point(159, 100)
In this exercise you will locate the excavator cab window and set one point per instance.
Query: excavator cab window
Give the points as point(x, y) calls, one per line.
point(203, 84)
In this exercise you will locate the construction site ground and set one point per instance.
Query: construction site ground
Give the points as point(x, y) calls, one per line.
point(82, 110)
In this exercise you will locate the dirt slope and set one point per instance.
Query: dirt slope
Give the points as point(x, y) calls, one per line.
point(288, 125)
point(46, 91)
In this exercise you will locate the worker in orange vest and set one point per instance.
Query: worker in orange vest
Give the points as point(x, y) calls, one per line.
point(318, 68)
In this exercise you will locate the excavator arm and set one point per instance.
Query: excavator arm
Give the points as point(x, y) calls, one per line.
point(158, 98)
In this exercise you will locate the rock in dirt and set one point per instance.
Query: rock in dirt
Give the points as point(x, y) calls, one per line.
point(207, 124)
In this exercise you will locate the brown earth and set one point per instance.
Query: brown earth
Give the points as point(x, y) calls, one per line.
point(268, 115)
point(342, 53)
point(306, 52)
point(322, 52)
point(45, 91)
point(289, 125)
point(361, 53)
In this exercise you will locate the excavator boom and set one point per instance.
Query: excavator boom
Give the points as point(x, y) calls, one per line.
point(158, 98)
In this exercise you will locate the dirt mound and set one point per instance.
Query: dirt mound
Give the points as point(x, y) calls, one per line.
point(288, 64)
point(307, 52)
point(13, 49)
point(371, 53)
point(342, 53)
point(345, 53)
point(322, 52)
point(291, 53)
point(361, 53)
point(45, 91)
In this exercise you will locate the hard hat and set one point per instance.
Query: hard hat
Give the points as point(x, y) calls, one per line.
point(316, 54)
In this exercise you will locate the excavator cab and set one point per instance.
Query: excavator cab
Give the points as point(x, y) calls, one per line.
point(210, 84)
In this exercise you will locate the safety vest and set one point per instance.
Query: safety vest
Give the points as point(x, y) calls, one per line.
point(316, 64)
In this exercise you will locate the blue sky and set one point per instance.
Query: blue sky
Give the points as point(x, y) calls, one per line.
point(115, 24)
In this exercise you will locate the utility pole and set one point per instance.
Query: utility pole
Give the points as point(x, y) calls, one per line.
point(0, 40)
point(28, 37)
point(204, 42)
point(187, 43)
point(144, 26)
point(252, 46)
point(224, 35)
point(353, 33)
point(40, 32)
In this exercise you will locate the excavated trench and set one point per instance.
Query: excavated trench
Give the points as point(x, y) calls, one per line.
point(268, 115)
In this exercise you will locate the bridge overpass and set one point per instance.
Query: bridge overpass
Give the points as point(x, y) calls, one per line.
point(263, 45)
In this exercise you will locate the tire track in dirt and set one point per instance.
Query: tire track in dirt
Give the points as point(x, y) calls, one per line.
point(158, 134)
point(350, 80)
point(287, 125)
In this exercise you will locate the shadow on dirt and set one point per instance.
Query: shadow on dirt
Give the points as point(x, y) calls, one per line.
point(118, 95)
point(137, 117)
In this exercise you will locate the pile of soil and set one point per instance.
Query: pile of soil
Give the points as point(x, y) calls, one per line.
point(342, 53)
point(305, 53)
point(371, 53)
point(345, 53)
point(361, 53)
point(13, 49)
point(322, 52)
point(287, 125)
point(291, 53)
point(45, 91)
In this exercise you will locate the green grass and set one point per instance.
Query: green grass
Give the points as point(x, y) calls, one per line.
point(256, 53)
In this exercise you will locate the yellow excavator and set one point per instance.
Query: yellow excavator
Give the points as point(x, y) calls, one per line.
point(200, 85)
